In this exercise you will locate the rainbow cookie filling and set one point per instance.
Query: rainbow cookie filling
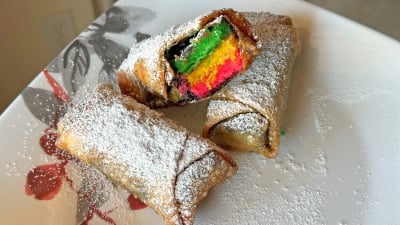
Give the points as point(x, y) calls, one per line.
point(205, 61)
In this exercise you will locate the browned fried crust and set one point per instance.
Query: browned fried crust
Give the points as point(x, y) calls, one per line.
point(96, 132)
point(270, 71)
point(143, 76)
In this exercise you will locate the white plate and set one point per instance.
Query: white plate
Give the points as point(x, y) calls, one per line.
point(339, 161)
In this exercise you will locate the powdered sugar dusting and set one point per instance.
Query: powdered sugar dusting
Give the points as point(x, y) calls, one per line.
point(139, 149)
point(245, 123)
point(290, 189)
point(217, 111)
point(286, 191)
point(94, 185)
point(147, 61)
point(319, 96)
point(147, 51)
point(264, 86)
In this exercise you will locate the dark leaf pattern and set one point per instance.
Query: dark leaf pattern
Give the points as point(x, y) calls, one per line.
point(118, 20)
point(91, 194)
point(105, 77)
point(82, 210)
point(53, 67)
point(76, 62)
point(43, 104)
point(110, 52)
point(115, 21)
point(141, 36)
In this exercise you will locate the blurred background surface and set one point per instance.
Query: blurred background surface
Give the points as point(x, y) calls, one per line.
point(34, 32)
point(381, 15)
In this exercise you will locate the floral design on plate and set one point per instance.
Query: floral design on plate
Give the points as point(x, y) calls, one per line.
point(93, 49)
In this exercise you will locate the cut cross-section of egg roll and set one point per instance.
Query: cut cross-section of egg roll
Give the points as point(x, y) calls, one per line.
point(189, 62)
point(246, 114)
point(163, 164)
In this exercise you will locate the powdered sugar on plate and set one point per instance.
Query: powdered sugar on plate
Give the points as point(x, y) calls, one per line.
point(282, 191)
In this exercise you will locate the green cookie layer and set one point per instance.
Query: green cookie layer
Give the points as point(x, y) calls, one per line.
point(210, 39)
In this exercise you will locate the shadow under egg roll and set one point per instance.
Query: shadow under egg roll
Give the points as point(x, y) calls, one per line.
point(246, 114)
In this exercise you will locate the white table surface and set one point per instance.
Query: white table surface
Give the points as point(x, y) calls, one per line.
point(339, 161)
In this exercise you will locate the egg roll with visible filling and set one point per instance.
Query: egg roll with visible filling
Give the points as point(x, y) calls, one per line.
point(189, 62)
point(246, 114)
point(163, 164)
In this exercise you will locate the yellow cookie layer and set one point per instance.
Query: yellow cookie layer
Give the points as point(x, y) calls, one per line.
point(208, 68)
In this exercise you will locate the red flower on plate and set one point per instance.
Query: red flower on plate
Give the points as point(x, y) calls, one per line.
point(44, 181)
point(135, 203)
point(48, 143)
